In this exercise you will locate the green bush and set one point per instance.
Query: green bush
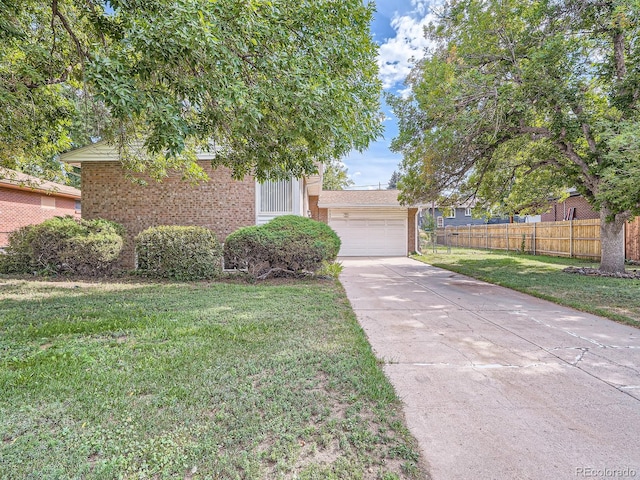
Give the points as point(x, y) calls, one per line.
point(247, 248)
point(17, 256)
point(64, 245)
point(92, 254)
point(330, 270)
point(182, 253)
point(286, 244)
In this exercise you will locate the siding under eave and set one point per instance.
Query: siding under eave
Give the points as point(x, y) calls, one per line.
point(103, 152)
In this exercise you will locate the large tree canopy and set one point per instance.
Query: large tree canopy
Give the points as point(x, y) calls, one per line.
point(519, 98)
point(271, 85)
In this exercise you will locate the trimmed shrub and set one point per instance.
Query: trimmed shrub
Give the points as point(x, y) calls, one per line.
point(64, 245)
point(182, 253)
point(48, 242)
point(93, 254)
point(247, 247)
point(286, 244)
point(17, 256)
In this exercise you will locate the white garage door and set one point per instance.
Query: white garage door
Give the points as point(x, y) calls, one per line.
point(370, 232)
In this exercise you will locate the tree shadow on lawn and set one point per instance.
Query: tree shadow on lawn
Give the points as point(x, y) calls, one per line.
point(614, 298)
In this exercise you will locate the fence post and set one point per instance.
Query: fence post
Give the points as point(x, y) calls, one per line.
point(486, 238)
point(506, 232)
point(534, 238)
point(469, 236)
point(570, 238)
point(624, 239)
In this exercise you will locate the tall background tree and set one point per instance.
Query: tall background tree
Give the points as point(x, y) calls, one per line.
point(336, 176)
point(273, 86)
point(393, 181)
point(519, 99)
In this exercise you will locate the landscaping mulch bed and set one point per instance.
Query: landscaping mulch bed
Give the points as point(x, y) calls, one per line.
point(594, 272)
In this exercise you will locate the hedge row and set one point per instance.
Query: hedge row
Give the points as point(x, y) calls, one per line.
point(286, 245)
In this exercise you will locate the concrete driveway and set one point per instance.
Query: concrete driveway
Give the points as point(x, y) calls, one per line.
point(497, 384)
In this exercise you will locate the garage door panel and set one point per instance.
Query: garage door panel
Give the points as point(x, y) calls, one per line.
point(373, 232)
point(396, 223)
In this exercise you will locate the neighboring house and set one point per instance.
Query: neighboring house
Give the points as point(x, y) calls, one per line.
point(460, 216)
point(27, 200)
point(221, 204)
point(451, 216)
point(369, 222)
point(575, 207)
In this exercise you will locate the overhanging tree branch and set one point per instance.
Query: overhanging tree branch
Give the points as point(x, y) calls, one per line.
point(55, 11)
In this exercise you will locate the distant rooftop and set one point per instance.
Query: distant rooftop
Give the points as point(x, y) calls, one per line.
point(22, 181)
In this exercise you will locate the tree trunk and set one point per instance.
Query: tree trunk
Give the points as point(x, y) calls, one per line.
point(612, 242)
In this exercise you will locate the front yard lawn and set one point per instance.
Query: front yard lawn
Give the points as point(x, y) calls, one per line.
point(615, 298)
point(144, 380)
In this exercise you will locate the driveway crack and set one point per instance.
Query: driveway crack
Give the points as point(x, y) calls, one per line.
point(578, 359)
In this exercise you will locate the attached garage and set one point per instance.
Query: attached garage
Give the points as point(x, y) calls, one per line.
point(369, 222)
point(369, 232)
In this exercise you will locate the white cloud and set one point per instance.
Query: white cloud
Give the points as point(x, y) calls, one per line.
point(405, 92)
point(397, 55)
point(421, 6)
point(340, 164)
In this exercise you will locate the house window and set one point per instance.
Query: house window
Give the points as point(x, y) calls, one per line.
point(47, 201)
point(276, 196)
point(78, 206)
point(440, 222)
point(467, 212)
point(450, 212)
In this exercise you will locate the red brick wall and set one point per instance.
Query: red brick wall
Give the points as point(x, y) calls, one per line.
point(323, 215)
point(21, 207)
point(313, 207)
point(558, 211)
point(411, 240)
point(320, 214)
point(222, 204)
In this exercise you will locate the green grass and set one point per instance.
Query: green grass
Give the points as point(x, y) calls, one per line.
point(614, 298)
point(144, 380)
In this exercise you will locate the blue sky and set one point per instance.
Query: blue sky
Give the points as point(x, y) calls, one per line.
point(398, 29)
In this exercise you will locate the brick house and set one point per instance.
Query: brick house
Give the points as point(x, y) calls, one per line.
point(27, 200)
point(224, 204)
point(221, 204)
point(574, 207)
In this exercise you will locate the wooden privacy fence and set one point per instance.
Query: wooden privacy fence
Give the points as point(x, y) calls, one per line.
point(573, 238)
point(632, 247)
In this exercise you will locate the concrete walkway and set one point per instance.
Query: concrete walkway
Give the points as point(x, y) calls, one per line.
point(497, 384)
